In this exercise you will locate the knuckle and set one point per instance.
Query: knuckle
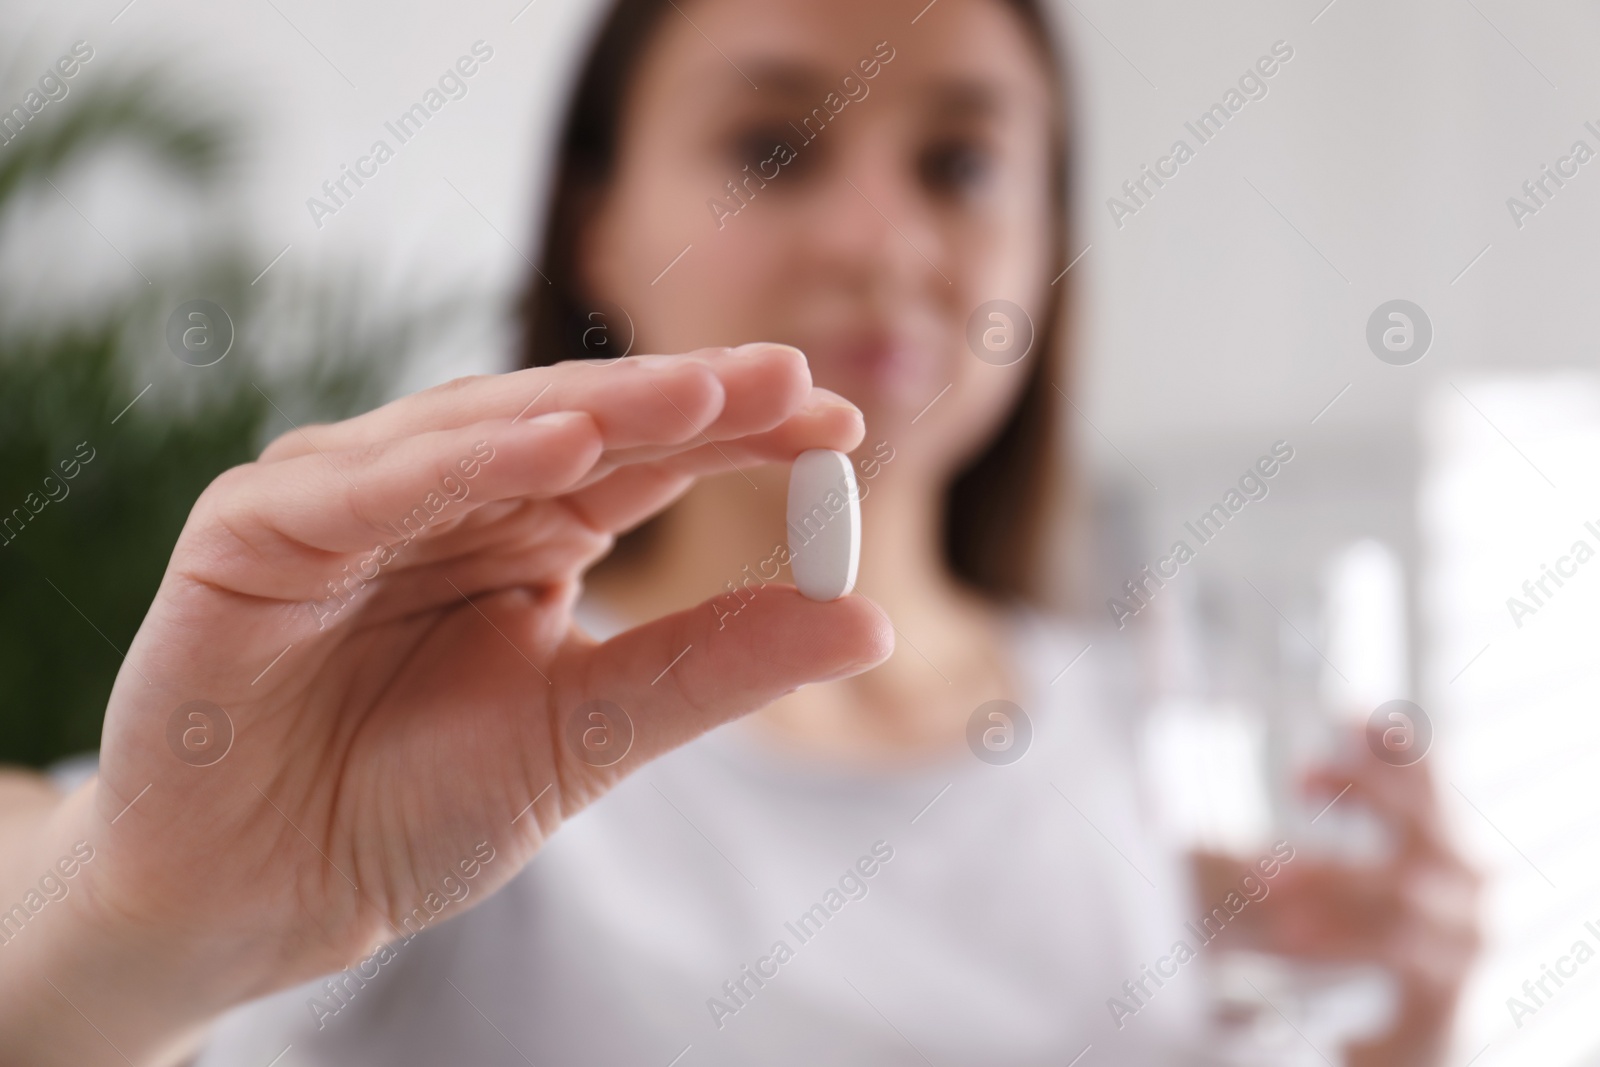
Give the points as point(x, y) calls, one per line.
point(225, 489)
point(291, 443)
point(367, 455)
point(359, 508)
point(456, 385)
point(220, 512)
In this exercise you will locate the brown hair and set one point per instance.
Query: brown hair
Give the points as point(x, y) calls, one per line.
point(998, 509)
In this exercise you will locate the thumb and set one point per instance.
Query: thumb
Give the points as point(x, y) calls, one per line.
point(657, 686)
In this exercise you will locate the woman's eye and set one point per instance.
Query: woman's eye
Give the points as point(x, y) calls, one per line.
point(955, 168)
point(755, 147)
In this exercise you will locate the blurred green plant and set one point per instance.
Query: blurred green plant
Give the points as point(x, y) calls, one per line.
point(78, 575)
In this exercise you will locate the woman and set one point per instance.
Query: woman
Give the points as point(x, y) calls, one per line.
point(862, 871)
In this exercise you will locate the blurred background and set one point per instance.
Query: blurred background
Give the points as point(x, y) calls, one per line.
point(1228, 313)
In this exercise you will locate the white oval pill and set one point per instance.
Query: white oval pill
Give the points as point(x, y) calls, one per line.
point(824, 524)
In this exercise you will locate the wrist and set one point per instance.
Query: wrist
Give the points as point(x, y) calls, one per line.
point(1414, 1042)
point(83, 983)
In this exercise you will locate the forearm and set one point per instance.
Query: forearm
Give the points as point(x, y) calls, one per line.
point(27, 800)
point(1419, 1047)
point(77, 985)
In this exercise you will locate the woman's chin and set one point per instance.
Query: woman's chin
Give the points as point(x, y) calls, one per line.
point(888, 397)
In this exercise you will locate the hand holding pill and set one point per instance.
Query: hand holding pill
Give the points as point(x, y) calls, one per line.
point(453, 642)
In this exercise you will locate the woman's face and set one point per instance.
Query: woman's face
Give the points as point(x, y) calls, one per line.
point(891, 177)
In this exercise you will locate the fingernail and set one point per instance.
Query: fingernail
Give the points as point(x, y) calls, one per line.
point(850, 671)
point(828, 399)
point(758, 347)
point(554, 420)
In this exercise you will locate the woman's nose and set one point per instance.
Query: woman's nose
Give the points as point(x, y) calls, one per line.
point(873, 224)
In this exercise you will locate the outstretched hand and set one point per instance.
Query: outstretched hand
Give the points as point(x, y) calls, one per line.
point(361, 663)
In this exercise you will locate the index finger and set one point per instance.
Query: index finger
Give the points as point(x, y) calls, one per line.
point(638, 401)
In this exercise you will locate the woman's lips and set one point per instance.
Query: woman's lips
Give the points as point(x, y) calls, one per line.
point(895, 366)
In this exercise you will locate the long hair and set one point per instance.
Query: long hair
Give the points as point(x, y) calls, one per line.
point(997, 510)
